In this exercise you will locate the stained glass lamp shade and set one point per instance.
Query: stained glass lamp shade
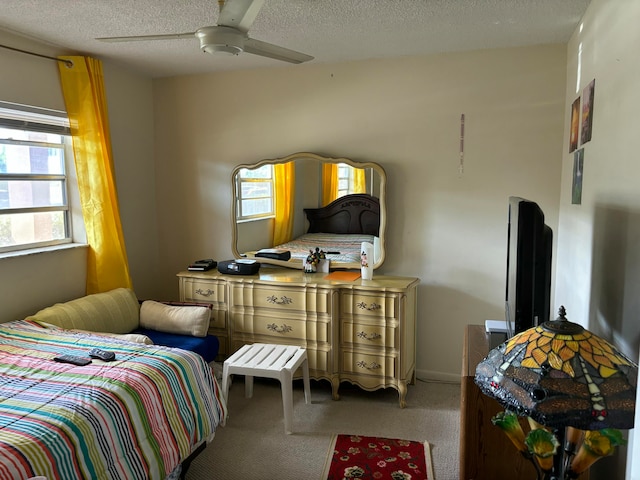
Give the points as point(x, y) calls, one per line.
point(561, 375)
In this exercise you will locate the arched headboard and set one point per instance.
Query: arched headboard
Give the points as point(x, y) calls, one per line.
point(355, 213)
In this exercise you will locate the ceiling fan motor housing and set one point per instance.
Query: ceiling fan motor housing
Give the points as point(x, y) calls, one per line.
point(224, 40)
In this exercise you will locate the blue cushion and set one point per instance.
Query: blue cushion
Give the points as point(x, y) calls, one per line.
point(207, 347)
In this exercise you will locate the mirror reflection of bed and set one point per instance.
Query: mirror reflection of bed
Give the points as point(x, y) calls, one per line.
point(338, 226)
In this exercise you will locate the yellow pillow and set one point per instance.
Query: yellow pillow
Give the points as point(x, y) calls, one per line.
point(116, 311)
point(183, 320)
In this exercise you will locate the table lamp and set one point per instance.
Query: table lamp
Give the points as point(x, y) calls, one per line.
point(575, 388)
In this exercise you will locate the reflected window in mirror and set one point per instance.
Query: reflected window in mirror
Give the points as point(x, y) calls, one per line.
point(255, 193)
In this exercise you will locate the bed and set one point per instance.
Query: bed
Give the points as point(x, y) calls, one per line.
point(339, 229)
point(138, 417)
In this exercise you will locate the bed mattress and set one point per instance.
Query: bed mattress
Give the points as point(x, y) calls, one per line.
point(137, 417)
point(338, 247)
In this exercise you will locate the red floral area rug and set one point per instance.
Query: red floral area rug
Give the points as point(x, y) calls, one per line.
point(357, 456)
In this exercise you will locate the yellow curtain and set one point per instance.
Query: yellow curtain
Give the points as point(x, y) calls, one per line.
point(359, 181)
point(329, 183)
point(84, 97)
point(284, 182)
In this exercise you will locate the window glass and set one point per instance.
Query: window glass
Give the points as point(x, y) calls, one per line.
point(345, 179)
point(255, 195)
point(34, 208)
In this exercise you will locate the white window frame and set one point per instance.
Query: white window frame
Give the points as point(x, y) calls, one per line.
point(27, 118)
point(241, 180)
point(345, 179)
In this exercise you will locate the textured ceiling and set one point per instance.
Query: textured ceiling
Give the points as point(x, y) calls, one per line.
point(329, 30)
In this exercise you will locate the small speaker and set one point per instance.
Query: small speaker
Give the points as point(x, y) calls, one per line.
point(239, 267)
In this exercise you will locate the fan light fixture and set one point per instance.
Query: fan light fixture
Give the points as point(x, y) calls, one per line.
point(230, 36)
point(221, 40)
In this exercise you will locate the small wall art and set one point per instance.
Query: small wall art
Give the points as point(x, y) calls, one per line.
point(574, 133)
point(587, 112)
point(578, 167)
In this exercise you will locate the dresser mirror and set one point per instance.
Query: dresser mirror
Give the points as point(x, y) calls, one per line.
point(337, 227)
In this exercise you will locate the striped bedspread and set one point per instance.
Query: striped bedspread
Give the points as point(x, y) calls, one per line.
point(137, 417)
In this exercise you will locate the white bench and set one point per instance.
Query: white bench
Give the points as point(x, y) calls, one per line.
point(269, 361)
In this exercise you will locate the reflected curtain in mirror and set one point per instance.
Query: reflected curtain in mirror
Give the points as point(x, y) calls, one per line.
point(284, 181)
point(359, 181)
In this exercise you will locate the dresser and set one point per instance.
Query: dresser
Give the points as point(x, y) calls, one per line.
point(361, 331)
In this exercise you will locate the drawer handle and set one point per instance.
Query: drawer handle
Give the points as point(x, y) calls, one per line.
point(374, 306)
point(205, 293)
point(281, 301)
point(373, 336)
point(274, 328)
point(371, 366)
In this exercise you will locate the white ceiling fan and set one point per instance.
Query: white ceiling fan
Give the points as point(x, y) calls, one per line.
point(230, 35)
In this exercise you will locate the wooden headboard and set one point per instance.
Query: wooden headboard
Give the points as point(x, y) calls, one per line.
point(356, 213)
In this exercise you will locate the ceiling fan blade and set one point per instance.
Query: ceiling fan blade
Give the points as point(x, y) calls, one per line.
point(239, 14)
point(269, 50)
point(142, 38)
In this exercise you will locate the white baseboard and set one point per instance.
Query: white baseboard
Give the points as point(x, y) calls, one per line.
point(433, 376)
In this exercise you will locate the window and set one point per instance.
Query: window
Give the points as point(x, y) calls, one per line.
point(350, 180)
point(254, 193)
point(345, 179)
point(34, 207)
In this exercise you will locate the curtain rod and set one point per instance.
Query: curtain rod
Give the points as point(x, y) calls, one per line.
point(68, 63)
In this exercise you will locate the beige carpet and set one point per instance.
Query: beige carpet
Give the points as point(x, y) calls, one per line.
point(253, 445)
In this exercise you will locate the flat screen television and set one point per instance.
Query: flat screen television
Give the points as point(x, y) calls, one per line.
point(529, 246)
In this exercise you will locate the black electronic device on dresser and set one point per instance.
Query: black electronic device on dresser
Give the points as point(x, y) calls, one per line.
point(241, 266)
point(202, 265)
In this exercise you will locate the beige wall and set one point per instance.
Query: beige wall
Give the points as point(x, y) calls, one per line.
point(27, 79)
point(30, 282)
point(598, 269)
point(447, 228)
point(599, 262)
point(130, 99)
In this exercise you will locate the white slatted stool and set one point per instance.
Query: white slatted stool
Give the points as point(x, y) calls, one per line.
point(269, 361)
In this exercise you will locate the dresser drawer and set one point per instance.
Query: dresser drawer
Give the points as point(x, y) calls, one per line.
point(203, 291)
point(377, 365)
point(218, 320)
point(281, 300)
point(369, 305)
point(372, 335)
point(278, 328)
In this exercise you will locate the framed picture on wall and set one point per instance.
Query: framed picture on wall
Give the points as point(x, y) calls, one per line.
point(578, 167)
point(587, 112)
point(575, 125)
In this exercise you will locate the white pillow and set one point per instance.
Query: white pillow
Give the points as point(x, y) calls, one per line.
point(183, 320)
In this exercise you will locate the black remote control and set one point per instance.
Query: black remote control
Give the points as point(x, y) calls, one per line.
point(102, 355)
point(73, 359)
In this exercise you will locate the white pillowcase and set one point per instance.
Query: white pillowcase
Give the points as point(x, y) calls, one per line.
point(183, 320)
